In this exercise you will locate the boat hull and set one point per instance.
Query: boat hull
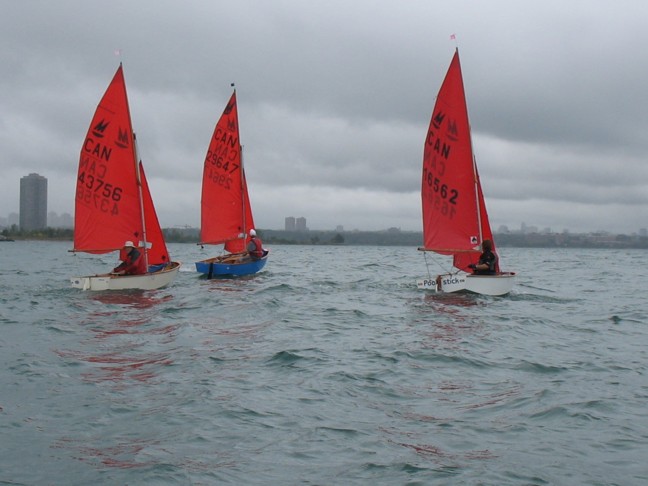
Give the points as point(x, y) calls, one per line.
point(500, 284)
point(229, 267)
point(148, 281)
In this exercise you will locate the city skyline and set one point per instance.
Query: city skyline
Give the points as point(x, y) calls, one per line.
point(291, 223)
point(66, 220)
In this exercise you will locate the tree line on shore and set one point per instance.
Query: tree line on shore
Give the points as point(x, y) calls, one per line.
point(392, 237)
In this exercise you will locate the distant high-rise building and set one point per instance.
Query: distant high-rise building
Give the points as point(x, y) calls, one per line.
point(12, 219)
point(54, 220)
point(290, 223)
point(33, 202)
point(300, 224)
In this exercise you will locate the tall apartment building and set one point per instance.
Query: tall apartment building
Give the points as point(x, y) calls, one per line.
point(290, 223)
point(295, 224)
point(33, 202)
point(300, 224)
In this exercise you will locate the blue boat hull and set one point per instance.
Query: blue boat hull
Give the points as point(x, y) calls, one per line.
point(221, 267)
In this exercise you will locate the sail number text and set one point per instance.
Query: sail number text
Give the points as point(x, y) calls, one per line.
point(442, 189)
point(220, 178)
point(94, 191)
point(443, 198)
point(219, 160)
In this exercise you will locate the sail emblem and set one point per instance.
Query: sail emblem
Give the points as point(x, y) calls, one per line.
point(231, 125)
point(452, 130)
point(99, 128)
point(437, 120)
point(229, 107)
point(122, 138)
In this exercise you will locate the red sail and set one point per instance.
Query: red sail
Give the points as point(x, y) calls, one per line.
point(225, 208)
point(462, 260)
point(450, 188)
point(107, 207)
point(157, 250)
point(238, 245)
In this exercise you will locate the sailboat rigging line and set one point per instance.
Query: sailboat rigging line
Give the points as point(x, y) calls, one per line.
point(440, 265)
point(427, 266)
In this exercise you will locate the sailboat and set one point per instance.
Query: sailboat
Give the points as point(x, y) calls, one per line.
point(113, 203)
point(455, 221)
point(226, 214)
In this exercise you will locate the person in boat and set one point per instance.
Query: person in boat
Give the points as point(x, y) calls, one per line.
point(255, 246)
point(487, 260)
point(132, 261)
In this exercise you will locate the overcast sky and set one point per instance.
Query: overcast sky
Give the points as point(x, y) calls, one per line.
point(335, 99)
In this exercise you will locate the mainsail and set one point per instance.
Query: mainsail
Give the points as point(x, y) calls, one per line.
point(107, 204)
point(226, 215)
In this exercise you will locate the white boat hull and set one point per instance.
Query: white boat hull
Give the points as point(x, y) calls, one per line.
point(148, 281)
point(500, 284)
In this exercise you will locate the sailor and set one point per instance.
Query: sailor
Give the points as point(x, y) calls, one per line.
point(487, 264)
point(255, 246)
point(132, 261)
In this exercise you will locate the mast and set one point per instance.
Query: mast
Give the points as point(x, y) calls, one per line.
point(140, 198)
point(243, 190)
point(476, 179)
point(243, 233)
point(137, 177)
point(474, 163)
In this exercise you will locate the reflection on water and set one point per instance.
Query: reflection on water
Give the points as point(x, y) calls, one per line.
point(123, 338)
point(125, 348)
point(134, 298)
point(448, 302)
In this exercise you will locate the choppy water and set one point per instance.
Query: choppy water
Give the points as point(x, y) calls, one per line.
point(330, 367)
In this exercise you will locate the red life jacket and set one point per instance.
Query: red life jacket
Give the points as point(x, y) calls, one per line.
point(258, 247)
point(133, 266)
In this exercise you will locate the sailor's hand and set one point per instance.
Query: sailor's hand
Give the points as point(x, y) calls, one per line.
point(472, 266)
